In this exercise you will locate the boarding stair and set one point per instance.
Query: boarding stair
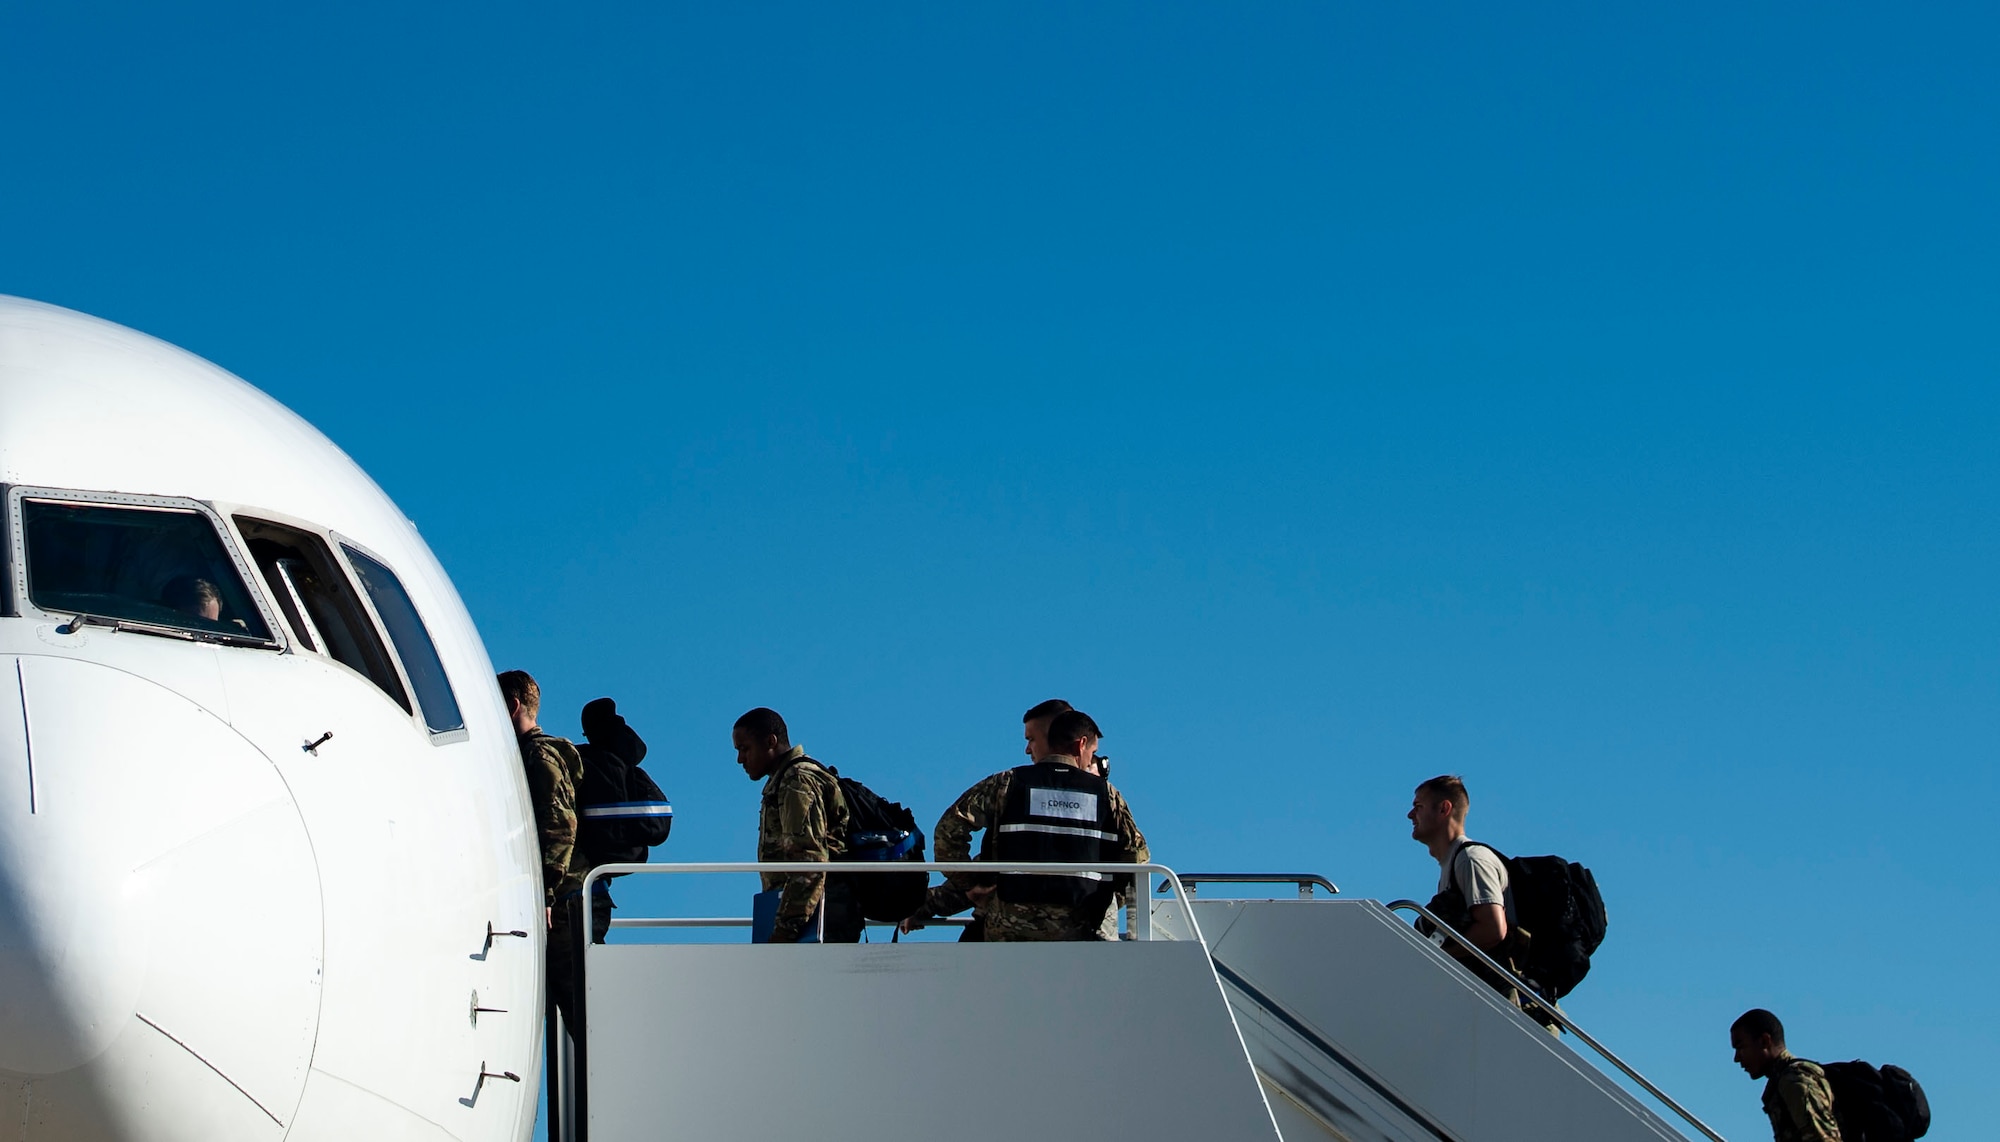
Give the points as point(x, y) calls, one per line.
point(1284, 1019)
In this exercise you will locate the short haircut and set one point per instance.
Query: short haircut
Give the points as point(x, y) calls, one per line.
point(1071, 726)
point(1448, 787)
point(1048, 709)
point(1756, 1023)
point(520, 686)
point(764, 722)
point(189, 591)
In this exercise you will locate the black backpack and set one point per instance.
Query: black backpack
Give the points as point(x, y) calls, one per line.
point(879, 829)
point(621, 813)
point(1877, 1106)
point(1558, 903)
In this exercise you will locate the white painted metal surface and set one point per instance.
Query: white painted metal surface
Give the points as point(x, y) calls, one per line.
point(972, 1042)
point(1375, 1034)
point(207, 932)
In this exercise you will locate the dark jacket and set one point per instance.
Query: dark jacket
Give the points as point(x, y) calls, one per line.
point(621, 813)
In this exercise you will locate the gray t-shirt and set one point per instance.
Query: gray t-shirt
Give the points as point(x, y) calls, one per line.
point(1479, 873)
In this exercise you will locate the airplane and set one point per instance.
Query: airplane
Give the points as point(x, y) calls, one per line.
point(267, 864)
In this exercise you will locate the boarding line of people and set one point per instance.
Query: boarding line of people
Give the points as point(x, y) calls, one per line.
point(1804, 1101)
point(1060, 807)
point(593, 805)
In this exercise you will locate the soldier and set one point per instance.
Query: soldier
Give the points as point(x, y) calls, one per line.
point(621, 814)
point(803, 818)
point(554, 768)
point(950, 898)
point(1059, 810)
point(1108, 930)
point(1473, 893)
point(1797, 1099)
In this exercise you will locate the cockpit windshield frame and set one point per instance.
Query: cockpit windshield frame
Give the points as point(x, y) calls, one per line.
point(21, 602)
point(456, 731)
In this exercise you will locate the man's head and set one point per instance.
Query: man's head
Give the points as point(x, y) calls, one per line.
point(1073, 735)
point(1438, 811)
point(193, 596)
point(1759, 1040)
point(761, 739)
point(523, 698)
point(1035, 726)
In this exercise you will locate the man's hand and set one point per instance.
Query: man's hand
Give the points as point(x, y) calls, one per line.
point(910, 924)
point(980, 894)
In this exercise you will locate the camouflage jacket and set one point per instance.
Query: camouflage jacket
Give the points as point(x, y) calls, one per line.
point(1800, 1103)
point(804, 818)
point(554, 769)
point(979, 808)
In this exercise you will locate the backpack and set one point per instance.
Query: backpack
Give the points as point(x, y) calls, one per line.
point(880, 829)
point(620, 812)
point(1877, 1106)
point(1558, 903)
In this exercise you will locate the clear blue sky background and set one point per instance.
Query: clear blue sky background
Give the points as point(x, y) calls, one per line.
point(1600, 404)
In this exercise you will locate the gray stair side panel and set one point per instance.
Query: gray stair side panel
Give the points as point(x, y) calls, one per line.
point(1312, 1096)
point(1295, 1122)
point(1419, 1025)
point(973, 1042)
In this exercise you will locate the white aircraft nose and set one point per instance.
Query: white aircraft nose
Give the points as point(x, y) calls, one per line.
point(70, 962)
point(159, 912)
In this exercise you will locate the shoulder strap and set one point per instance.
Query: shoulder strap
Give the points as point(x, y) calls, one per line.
point(776, 779)
point(1451, 862)
point(833, 777)
point(572, 758)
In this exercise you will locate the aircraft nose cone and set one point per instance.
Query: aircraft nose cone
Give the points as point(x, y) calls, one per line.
point(159, 910)
point(70, 962)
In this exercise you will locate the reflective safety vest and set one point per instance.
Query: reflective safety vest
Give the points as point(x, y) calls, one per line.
point(1055, 812)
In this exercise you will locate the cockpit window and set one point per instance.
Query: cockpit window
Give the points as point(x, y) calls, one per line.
point(321, 607)
point(413, 642)
point(155, 569)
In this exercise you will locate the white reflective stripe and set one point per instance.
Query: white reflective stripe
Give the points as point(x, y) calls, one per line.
point(1059, 830)
point(1078, 875)
point(630, 809)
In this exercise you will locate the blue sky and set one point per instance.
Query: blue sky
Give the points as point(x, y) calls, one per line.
point(1596, 403)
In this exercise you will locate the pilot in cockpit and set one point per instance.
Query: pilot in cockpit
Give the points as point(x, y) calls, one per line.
point(196, 598)
point(193, 596)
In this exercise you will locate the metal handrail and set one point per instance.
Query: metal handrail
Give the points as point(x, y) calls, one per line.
point(745, 922)
point(1142, 918)
point(1305, 880)
point(1549, 1008)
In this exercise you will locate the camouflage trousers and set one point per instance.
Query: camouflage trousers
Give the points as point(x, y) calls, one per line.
point(565, 949)
point(1025, 922)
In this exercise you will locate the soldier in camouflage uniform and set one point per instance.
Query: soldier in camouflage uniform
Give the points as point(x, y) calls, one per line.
point(803, 818)
point(949, 898)
point(554, 768)
point(980, 808)
point(1797, 1098)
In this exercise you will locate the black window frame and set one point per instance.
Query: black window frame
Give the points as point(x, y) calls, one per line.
point(21, 604)
point(326, 548)
point(456, 730)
